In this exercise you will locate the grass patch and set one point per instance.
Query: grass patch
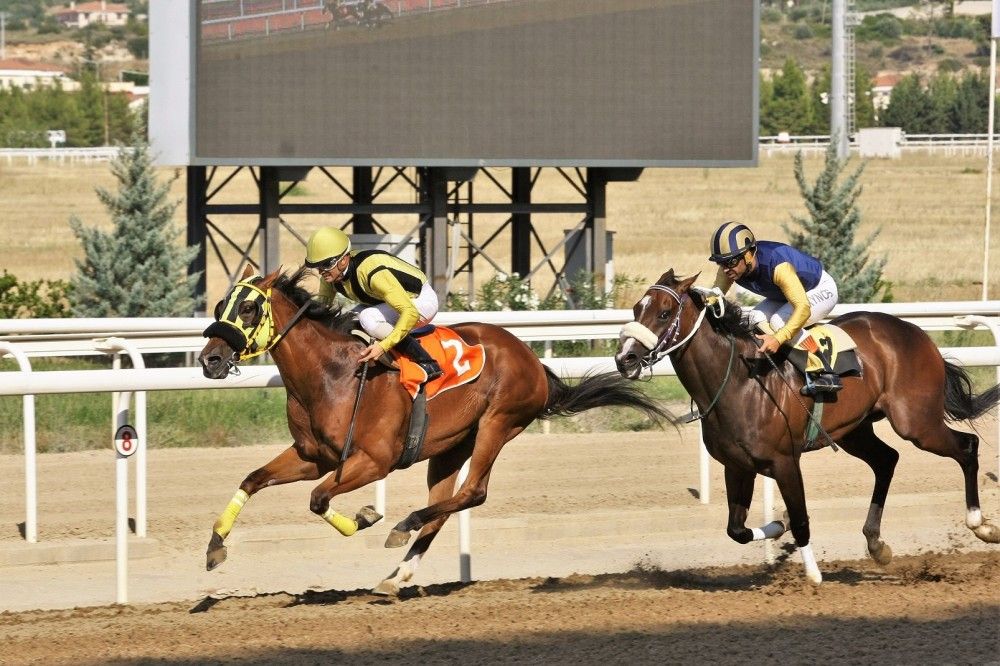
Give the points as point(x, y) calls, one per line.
point(82, 421)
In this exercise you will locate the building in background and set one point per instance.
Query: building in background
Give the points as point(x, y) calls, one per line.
point(82, 14)
point(28, 75)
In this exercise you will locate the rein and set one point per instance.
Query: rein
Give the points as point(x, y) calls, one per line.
point(819, 426)
point(657, 350)
point(267, 318)
point(725, 380)
point(346, 450)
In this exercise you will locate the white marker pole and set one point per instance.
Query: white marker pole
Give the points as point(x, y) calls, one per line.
point(126, 443)
point(464, 534)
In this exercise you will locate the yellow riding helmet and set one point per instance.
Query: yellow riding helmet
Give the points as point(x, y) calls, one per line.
point(731, 240)
point(325, 244)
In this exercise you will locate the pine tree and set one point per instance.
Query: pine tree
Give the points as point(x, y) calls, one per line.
point(910, 106)
point(136, 270)
point(864, 107)
point(828, 232)
point(789, 109)
point(90, 118)
point(970, 110)
point(942, 95)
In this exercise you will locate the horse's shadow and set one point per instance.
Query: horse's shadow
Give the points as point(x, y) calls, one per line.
point(780, 573)
point(334, 597)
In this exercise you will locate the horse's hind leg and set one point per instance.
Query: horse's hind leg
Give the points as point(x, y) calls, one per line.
point(864, 444)
point(442, 472)
point(286, 467)
point(490, 438)
point(963, 448)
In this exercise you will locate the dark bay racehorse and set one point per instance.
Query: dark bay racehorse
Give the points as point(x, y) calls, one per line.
point(316, 359)
point(756, 424)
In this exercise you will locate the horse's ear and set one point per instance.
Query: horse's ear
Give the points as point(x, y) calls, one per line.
point(248, 272)
point(667, 278)
point(269, 279)
point(686, 284)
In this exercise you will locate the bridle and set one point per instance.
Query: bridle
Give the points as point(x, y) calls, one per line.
point(254, 339)
point(666, 342)
point(658, 345)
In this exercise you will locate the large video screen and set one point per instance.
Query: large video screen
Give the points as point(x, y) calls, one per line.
point(476, 82)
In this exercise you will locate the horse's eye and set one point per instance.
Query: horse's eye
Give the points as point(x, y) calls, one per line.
point(248, 311)
point(665, 314)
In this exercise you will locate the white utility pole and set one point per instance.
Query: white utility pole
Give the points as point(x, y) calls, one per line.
point(3, 35)
point(994, 35)
point(838, 84)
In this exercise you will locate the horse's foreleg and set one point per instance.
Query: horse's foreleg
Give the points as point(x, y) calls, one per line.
point(789, 479)
point(442, 472)
point(288, 466)
point(864, 444)
point(739, 493)
point(359, 470)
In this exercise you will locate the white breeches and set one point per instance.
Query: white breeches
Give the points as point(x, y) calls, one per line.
point(379, 320)
point(821, 298)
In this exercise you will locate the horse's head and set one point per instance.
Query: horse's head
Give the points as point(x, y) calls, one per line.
point(243, 327)
point(660, 326)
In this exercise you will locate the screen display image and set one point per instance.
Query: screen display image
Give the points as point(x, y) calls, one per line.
point(504, 82)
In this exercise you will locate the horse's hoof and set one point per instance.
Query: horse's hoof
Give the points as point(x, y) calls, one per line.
point(367, 517)
point(216, 553)
point(387, 588)
point(397, 538)
point(987, 532)
point(882, 554)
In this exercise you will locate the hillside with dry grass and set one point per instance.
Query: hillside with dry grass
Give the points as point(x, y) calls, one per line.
point(930, 210)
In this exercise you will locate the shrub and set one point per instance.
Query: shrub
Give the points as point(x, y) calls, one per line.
point(802, 31)
point(29, 300)
point(770, 15)
point(949, 65)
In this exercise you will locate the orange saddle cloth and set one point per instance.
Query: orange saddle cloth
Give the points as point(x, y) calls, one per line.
point(460, 362)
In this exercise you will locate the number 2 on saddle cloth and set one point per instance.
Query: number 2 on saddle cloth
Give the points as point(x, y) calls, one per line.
point(460, 362)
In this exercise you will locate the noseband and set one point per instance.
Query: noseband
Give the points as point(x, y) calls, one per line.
point(666, 343)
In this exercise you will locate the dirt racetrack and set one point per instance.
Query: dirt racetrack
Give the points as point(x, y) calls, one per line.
point(575, 559)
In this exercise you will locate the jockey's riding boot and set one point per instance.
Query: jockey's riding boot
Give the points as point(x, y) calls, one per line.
point(409, 346)
point(824, 381)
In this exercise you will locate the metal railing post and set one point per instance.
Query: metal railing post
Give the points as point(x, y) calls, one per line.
point(30, 457)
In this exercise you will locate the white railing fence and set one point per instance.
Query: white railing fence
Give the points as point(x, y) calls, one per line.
point(23, 338)
point(947, 144)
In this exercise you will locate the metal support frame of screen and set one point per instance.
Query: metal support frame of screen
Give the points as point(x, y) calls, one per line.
point(474, 83)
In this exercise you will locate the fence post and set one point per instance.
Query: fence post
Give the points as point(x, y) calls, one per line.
point(30, 458)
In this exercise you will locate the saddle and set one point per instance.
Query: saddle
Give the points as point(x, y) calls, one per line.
point(460, 361)
point(834, 344)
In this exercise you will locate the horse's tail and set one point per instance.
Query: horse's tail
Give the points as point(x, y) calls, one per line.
point(960, 403)
point(599, 390)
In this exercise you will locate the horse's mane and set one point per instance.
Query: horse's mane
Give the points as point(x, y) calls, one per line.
point(330, 316)
point(731, 322)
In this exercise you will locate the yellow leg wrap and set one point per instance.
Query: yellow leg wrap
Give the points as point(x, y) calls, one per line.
point(342, 524)
point(224, 525)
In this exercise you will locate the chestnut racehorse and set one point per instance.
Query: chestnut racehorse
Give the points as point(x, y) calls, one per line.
point(756, 424)
point(315, 351)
